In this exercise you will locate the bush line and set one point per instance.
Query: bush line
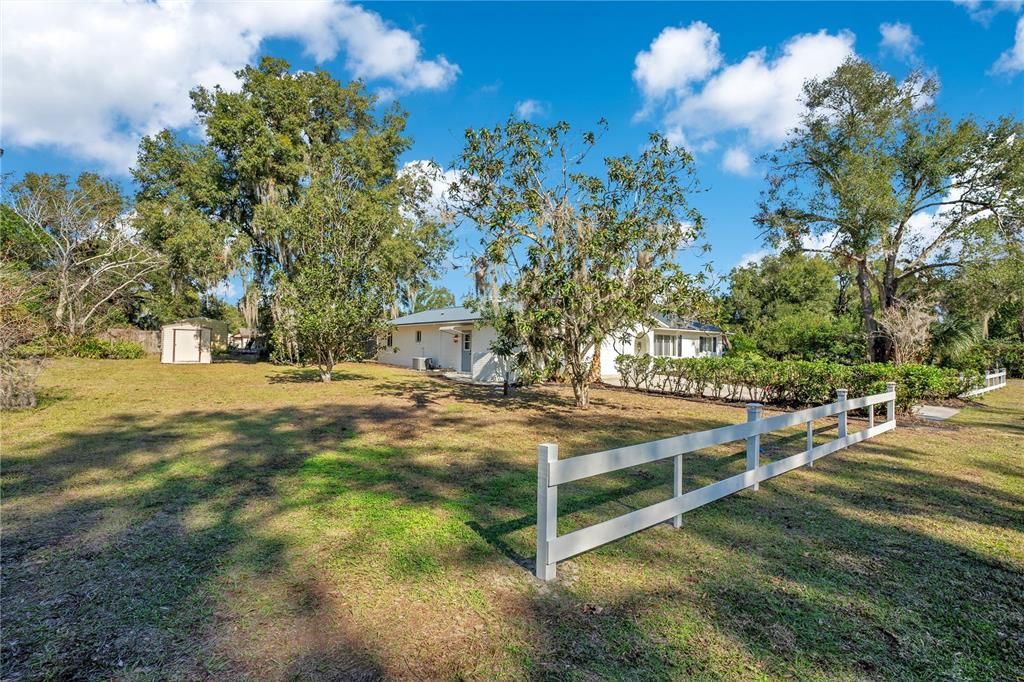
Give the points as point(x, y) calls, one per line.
point(791, 382)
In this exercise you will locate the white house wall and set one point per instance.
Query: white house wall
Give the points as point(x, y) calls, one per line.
point(404, 346)
point(445, 347)
point(487, 367)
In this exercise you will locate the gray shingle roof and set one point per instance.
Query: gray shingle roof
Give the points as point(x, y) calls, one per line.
point(689, 325)
point(438, 316)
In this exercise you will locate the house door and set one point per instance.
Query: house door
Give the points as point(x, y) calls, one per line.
point(467, 352)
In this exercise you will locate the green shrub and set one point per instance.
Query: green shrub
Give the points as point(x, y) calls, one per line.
point(80, 347)
point(791, 382)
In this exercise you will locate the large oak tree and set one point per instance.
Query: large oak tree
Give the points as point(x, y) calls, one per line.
point(877, 178)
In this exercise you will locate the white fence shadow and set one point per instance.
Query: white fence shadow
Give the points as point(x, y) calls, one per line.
point(552, 472)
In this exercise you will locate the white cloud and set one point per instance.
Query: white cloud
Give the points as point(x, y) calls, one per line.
point(753, 257)
point(755, 101)
point(90, 78)
point(761, 96)
point(982, 11)
point(737, 160)
point(678, 57)
point(1012, 60)
point(899, 40)
point(529, 108)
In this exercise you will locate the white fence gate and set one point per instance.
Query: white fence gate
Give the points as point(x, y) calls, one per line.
point(552, 472)
point(993, 380)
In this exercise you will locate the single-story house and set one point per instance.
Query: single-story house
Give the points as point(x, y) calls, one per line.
point(455, 339)
point(449, 337)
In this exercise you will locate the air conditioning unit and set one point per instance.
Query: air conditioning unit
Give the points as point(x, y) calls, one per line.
point(419, 364)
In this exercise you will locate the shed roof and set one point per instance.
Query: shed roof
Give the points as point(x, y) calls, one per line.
point(438, 316)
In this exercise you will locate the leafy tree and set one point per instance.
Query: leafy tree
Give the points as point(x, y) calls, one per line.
point(92, 253)
point(988, 287)
point(353, 231)
point(590, 254)
point(876, 178)
point(282, 152)
point(21, 246)
point(781, 282)
point(415, 299)
point(793, 306)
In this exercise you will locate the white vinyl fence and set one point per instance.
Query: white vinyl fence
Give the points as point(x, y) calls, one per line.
point(993, 380)
point(552, 472)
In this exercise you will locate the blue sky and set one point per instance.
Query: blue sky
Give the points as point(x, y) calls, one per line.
point(82, 83)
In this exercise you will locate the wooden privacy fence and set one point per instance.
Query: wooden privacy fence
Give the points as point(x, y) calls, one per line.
point(993, 380)
point(552, 472)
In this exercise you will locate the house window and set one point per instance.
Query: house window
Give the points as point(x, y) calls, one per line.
point(419, 336)
point(389, 339)
point(668, 345)
point(709, 344)
point(466, 341)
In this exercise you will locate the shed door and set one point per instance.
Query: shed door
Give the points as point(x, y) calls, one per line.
point(186, 345)
point(467, 352)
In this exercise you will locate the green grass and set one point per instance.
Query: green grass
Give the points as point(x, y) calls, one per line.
point(240, 521)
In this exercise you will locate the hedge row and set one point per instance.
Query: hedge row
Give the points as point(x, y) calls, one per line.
point(80, 347)
point(790, 382)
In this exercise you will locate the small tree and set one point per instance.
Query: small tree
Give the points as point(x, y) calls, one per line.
point(357, 230)
point(589, 254)
point(93, 253)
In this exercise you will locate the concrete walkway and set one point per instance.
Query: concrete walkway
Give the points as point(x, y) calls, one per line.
point(935, 413)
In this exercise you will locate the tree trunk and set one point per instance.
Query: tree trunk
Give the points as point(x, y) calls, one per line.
point(985, 317)
point(326, 366)
point(867, 308)
point(581, 389)
point(594, 374)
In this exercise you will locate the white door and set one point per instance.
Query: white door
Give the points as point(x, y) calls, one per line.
point(186, 345)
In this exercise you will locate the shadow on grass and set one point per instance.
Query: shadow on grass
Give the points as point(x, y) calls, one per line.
point(305, 375)
point(148, 544)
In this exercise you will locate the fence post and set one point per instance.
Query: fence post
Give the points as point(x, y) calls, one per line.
point(677, 487)
point(841, 397)
point(754, 442)
point(547, 510)
point(890, 407)
point(810, 440)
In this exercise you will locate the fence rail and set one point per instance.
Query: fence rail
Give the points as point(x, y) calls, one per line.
point(552, 472)
point(993, 380)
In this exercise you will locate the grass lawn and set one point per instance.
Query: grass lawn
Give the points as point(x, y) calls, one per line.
point(239, 520)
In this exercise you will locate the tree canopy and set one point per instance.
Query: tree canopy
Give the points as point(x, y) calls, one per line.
point(875, 177)
point(297, 178)
point(586, 255)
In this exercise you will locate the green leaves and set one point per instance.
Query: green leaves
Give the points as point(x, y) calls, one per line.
point(589, 246)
